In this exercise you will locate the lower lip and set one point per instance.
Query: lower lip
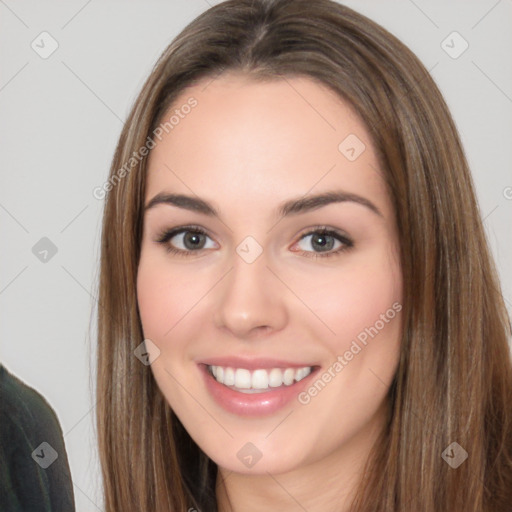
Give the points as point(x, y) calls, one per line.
point(253, 404)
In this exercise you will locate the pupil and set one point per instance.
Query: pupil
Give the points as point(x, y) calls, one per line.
point(192, 240)
point(323, 243)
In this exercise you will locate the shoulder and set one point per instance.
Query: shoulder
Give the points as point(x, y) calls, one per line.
point(33, 475)
point(22, 407)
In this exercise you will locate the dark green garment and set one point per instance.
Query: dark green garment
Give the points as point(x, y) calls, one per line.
point(34, 469)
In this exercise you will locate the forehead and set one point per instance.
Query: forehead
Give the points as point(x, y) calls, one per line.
point(246, 141)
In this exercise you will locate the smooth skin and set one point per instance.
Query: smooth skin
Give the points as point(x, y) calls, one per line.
point(246, 148)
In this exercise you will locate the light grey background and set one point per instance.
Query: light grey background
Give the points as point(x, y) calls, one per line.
point(59, 123)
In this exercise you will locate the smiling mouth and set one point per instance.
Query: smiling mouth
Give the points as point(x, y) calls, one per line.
point(260, 380)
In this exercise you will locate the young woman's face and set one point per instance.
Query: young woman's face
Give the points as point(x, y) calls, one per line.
point(301, 325)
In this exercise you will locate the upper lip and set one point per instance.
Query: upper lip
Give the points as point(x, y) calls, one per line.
point(253, 363)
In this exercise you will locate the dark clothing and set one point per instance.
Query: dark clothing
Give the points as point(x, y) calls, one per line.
point(34, 469)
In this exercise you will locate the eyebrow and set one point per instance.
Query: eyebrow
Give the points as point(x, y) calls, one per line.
point(290, 207)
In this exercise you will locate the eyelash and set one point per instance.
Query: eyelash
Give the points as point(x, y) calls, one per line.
point(166, 235)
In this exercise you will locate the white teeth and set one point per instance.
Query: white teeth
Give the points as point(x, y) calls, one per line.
point(301, 373)
point(242, 378)
point(259, 379)
point(288, 376)
point(247, 381)
point(229, 377)
point(275, 378)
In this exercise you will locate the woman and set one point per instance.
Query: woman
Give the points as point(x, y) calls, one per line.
point(298, 307)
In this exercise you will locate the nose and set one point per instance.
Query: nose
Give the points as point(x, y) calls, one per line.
point(251, 300)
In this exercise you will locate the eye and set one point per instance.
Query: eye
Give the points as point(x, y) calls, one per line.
point(185, 240)
point(189, 239)
point(323, 240)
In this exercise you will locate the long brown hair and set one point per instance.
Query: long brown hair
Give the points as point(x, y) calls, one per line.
point(454, 379)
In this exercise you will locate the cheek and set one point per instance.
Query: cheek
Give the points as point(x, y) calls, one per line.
point(163, 298)
point(167, 292)
point(355, 299)
point(154, 300)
